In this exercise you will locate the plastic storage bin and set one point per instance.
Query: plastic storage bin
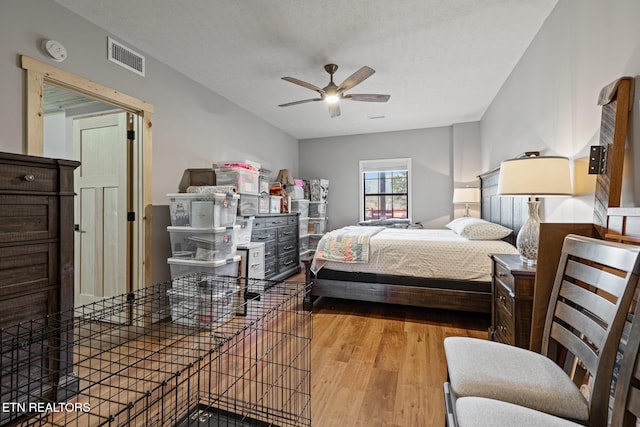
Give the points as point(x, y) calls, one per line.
point(303, 246)
point(245, 180)
point(303, 224)
point(244, 232)
point(201, 307)
point(203, 209)
point(313, 241)
point(317, 209)
point(181, 267)
point(274, 204)
point(318, 225)
point(301, 206)
point(203, 244)
point(248, 204)
point(263, 204)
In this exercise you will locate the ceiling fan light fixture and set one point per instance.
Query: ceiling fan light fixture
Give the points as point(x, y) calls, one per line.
point(332, 99)
point(332, 93)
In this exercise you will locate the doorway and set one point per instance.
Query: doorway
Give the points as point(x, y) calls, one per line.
point(139, 200)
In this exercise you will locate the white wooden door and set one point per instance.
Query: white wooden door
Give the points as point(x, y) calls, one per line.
point(101, 239)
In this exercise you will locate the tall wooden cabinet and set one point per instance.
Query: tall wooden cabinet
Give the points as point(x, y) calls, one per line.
point(36, 271)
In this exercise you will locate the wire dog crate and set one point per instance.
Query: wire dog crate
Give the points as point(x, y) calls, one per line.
point(193, 352)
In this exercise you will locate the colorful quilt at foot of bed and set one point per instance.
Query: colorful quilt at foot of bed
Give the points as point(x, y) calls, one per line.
point(347, 244)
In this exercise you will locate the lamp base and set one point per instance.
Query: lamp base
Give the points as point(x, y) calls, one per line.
point(527, 241)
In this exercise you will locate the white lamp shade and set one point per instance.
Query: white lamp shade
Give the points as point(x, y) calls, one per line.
point(535, 176)
point(466, 195)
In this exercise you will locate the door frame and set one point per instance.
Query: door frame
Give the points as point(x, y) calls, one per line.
point(39, 73)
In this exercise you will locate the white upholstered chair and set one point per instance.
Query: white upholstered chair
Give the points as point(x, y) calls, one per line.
point(483, 412)
point(592, 293)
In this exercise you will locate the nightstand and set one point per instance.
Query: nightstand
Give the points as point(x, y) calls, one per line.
point(512, 300)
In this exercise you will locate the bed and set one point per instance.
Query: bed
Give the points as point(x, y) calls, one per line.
point(397, 276)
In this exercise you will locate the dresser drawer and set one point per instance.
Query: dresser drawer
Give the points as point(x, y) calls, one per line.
point(504, 300)
point(504, 275)
point(269, 221)
point(504, 324)
point(28, 178)
point(270, 249)
point(270, 269)
point(263, 235)
point(25, 270)
point(287, 233)
point(287, 261)
point(27, 218)
point(287, 247)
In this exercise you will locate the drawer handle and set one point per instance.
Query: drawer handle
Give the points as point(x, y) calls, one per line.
point(501, 274)
point(502, 328)
point(29, 177)
point(288, 262)
point(262, 237)
point(501, 298)
point(255, 265)
point(287, 233)
point(288, 248)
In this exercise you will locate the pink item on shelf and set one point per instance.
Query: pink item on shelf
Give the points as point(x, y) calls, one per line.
point(299, 183)
point(240, 165)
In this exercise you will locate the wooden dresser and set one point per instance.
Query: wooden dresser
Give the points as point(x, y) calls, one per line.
point(512, 300)
point(280, 235)
point(36, 271)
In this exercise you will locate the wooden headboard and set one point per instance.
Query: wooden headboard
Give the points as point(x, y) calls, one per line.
point(616, 100)
point(508, 211)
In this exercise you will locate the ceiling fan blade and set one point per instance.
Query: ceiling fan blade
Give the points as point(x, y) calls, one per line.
point(356, 78)
point(303, 84)
point(288, 104)
point(334, 110)
point(368, 97)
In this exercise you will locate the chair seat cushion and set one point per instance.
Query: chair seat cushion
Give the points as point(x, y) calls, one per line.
point(483, 412)
point(480, 368)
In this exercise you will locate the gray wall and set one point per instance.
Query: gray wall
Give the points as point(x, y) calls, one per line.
point(548, 102)
point(192, 126)
point(432, 154)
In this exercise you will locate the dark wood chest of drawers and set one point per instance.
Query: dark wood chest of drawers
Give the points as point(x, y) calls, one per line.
point(280, 234)
point(36, 269)
point(512, 300)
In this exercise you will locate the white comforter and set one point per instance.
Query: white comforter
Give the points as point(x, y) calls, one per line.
point(427, 253)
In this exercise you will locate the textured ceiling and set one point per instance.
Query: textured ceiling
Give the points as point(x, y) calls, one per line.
point(442, 61)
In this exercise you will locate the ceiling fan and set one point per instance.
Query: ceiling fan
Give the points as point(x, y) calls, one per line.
point(332, 94)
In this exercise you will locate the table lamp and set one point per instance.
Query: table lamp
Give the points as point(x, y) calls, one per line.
point(466, 195)
point(533, 177)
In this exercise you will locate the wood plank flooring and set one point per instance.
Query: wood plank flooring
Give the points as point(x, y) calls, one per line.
point(382, 365)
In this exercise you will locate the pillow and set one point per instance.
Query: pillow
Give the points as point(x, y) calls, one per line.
point(478, 229)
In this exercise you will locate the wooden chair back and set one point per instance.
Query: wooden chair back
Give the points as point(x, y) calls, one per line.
point(592, 293)
point(626, 407)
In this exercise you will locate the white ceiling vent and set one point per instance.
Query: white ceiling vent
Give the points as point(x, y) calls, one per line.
point(125, 57)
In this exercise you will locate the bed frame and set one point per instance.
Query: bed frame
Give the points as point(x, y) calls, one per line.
point(471, 296)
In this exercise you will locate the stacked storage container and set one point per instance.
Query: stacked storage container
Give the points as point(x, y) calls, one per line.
point(248, 183)
point(302, 207)
point(203, 238)
point(318, 221)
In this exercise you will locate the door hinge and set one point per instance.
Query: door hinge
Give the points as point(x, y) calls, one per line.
point(131, 216)
point(131, 135)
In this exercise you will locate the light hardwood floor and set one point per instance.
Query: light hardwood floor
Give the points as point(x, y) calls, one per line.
point(382, 365)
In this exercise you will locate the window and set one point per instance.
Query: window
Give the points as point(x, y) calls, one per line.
point(385, 188)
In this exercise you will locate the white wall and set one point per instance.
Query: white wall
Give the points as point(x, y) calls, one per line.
point(337, 160)
point(548, 103)
point(192, 126)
